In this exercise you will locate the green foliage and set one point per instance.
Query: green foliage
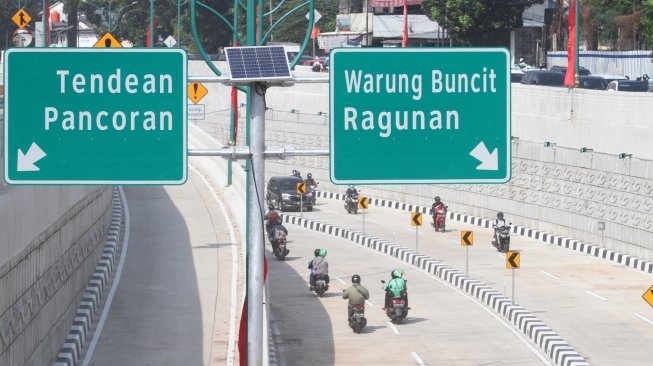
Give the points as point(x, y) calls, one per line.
point(7, 27)
point(478, 22)
point(294, 27)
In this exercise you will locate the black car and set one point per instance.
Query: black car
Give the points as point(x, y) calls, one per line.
point(563, 69)
point(543, 77)
point(593, 82)
point(282, 194)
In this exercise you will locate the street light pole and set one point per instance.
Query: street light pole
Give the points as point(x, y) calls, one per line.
point(151, 23)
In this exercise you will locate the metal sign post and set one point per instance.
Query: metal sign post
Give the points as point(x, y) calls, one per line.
point(416, 220)
point(467, 240)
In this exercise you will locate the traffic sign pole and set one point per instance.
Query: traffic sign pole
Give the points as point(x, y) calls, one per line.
point(513, 286)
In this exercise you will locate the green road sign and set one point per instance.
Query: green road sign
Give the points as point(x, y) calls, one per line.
point(420, 115)
point(95, 116)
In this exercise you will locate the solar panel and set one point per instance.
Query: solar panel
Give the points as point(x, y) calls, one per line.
point(258, 63)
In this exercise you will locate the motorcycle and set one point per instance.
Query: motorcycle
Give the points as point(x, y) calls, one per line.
point(397, 311)
point(439, 217)
point(357, 321)
point(502, 238)
point(278, 241)
point(320, 285)
point(351, 204)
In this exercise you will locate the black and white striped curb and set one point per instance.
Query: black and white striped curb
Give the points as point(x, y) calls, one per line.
point(547, 238)
point(541, 334)
point(70, 353)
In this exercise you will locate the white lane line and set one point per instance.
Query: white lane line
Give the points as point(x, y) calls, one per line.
point(502, 256)
point(369, 303)
point(411, 230)
point(418, 359)
point(502, 321)
point(644, 319)
point(455, 241)
point(551, 275)
point(392, 326)
point(231, 347)
point(597, 296)
point(114, 286)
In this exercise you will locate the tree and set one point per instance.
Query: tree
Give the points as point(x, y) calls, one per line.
point(478, 22)
point(293, 28)
point(7, 27)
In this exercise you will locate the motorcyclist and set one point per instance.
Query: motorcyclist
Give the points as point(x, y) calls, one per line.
point(319, 266)
point(351, 191)
point(273, 223)
point(396, 287)
point(296, 173)
point(435, 204)
point(497, 224)
point(272, 218)
point(310, 182)
point(356, 293)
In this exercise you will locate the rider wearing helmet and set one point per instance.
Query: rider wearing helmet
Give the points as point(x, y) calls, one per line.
point(396, 287)
point(497, 224)
point(318, 266)
point(272, 219)
point(356, 293)
point(310, 182)
point(351, 191)
point(435, 204)
point(296, 173)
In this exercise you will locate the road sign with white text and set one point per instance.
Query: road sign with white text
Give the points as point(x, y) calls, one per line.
point(95, 116)
point(420, 115)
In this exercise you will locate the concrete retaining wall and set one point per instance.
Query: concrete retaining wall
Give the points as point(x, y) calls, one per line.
point(50, 249)
point(556, 189)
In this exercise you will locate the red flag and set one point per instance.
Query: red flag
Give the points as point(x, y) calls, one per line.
point(315, 33)
point(571, 47)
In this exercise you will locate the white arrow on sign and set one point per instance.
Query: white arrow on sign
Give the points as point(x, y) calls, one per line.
point(26, 161)
point(489, 161)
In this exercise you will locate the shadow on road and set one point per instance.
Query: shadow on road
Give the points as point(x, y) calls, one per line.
point(304, 325)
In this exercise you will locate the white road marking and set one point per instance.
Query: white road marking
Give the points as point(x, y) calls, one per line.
point(502, 321)
point(644, 319)
point(411, 230)
point(231, 348)
point(369, 303)
point(455, 241)
point(341, 281)
point(551, 275)
point(597, 296)
point(418, 359)
point(114, 286)
point(392, 326)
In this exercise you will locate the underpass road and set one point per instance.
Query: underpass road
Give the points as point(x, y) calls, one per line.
point(444, 327)
point(171, 307)
point(593, 304)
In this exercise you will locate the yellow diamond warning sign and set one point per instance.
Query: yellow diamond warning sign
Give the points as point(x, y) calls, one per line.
point(107, 41)
point(196, 91)
point(21, 18)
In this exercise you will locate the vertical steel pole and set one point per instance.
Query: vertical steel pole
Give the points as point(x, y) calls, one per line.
point(178, 23)
point(513, 286)
point(577, 66)
point(45, 24)
point(256, 132)
point(151, 23)
point(255, 235)
point(416, 240)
